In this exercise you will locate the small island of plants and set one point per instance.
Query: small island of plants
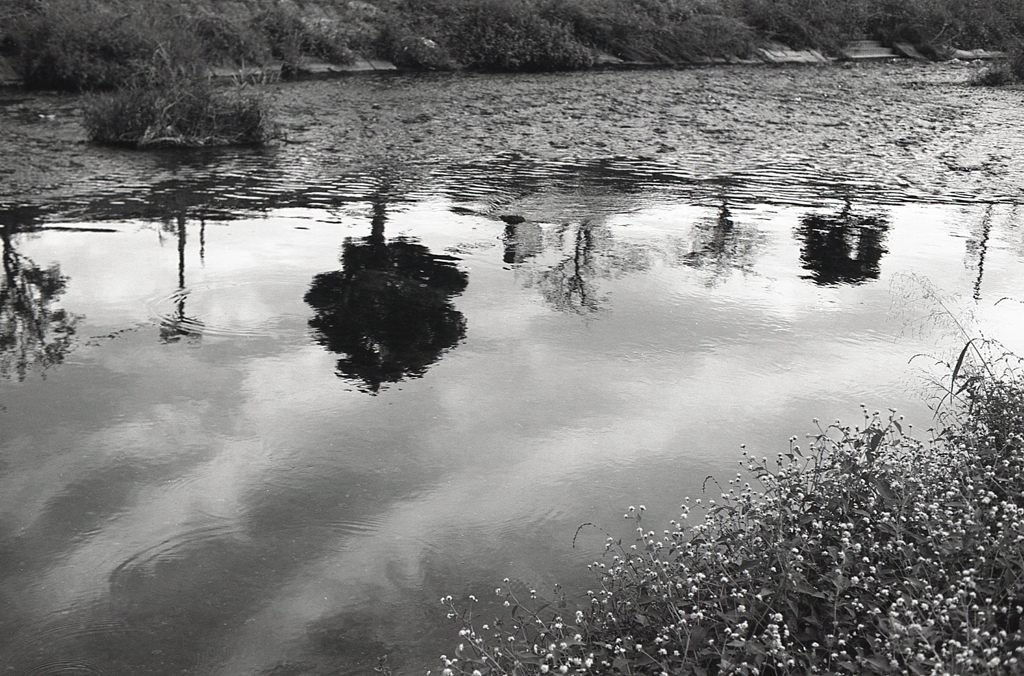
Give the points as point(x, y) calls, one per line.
point(869, 551)
point(178, 108)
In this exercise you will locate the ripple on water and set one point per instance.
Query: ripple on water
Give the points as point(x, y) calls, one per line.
point(173, 313)
point(39, 647)
point(66, 668)
point(177, 547)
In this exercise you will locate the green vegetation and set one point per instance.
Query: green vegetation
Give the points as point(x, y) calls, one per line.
point(1006, 71)
point(173, 103)
point(189, 112)
point(868, 552)
point(105, 44)
point(100, 44)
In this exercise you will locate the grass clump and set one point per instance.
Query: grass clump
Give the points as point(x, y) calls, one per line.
point(178, 108)
point(868, 552)
point(1005, 71)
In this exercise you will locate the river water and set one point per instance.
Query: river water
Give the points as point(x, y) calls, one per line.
point(261, 410)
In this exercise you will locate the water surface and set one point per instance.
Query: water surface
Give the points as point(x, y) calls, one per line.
point(260, 411)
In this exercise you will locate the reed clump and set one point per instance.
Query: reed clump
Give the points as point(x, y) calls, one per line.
point(176, 106)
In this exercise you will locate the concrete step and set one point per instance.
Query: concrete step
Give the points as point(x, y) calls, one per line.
point(775, 52)
point(863, 50)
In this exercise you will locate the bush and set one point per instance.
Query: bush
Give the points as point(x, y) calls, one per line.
point(816, 24)
point(1005, 71)
point(955, 23)
point(512, 35)
point(870, 552)
point(289, 37)
point(185, 111)
point(407, 47)
point(71, 45)
point(84, 45)
point(653, 31)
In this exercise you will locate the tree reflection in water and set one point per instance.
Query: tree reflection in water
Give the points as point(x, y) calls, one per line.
point(720, 246)
point(179, 325)
point(32, 333)
point(389, 309)
point(842, 249)
point(571, 285)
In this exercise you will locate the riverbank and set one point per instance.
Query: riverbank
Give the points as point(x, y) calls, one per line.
point(58, 44)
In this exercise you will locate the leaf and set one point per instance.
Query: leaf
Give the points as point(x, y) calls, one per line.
point(882, 486)
point(883, 665)
point(959, 363)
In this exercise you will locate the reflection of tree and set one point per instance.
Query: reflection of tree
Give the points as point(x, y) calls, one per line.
point(523, 241)
point(571, 261)
point(179, 325)
point(388, 310)
point(842, 249)
point(977, 246)
point(720, 246)
point(31, 332)
point(570, 285)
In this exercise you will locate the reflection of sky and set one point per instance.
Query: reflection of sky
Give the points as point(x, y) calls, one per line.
point(232, 498)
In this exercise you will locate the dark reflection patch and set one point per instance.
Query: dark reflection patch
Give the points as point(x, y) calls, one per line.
point(842, 249)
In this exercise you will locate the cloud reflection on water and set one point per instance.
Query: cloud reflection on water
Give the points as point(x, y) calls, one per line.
point(242, 507)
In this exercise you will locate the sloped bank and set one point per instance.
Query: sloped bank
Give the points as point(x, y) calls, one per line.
point(102, 44)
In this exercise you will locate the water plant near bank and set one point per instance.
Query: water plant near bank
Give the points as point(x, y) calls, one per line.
point(1007, 70)
point(172, 105)
point(870, 551)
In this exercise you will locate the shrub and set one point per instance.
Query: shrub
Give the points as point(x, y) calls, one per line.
point(818, 24)
point(955, 23)
point(226, 40)
point(870, 552)
point(1005, 71)
point(512, 35)
point(290, 37)
point(185, 111)
point(653, 31)
point(64, 44)
point(407, 47)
